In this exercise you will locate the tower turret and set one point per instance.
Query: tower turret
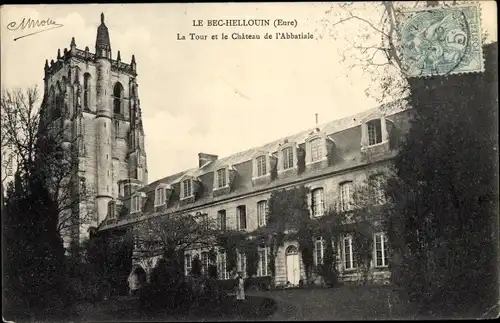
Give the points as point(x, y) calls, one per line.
point(103, 124)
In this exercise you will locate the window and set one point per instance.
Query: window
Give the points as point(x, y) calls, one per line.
point(221, 219)
point(381, 254)
point(262, 213)
point(242, 217)
point(345, 196)
point(318, 207)
point(262, 269)
point(316, 150)
point(242, 262)
point(374, 132)
point(160, 196)
point(86, 91)
point(261, 166)
point(204, 221)
point(287, 158)
point(139, 174)
point(52, 97)
point(378, 190)
point(319, 248)
point(188, 261)
point(221, 177)
point(136, 206)
point(205, 262)
point(187, 189)
point(349, 256)
point(117, 98)
point(111, 209)
point(221, 265)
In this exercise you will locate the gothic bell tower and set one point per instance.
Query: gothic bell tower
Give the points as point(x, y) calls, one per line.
point(100, 101)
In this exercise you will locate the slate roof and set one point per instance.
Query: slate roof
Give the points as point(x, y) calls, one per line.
point(102, 39)
point(241, 157)
point(345, 133)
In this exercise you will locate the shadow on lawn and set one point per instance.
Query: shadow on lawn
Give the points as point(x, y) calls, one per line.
point(254, 307)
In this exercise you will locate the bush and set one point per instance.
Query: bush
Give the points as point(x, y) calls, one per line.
point(329, 274)
point(258, 283)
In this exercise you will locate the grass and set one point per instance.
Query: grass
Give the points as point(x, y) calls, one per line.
point(342, 303)
point(254, 307)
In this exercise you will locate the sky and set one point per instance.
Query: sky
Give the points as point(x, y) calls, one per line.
point(213, 96)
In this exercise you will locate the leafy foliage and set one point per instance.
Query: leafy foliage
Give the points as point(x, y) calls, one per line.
point(35, 145)
point(252, 254)
point(445, 195)
point(329, 267)
point(196, 266)
point(232, 242)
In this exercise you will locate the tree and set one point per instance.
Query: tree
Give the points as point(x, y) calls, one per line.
point(373, 43)
point(172, 235)
point(445, 197)
point(34, 255)
point(33, 141)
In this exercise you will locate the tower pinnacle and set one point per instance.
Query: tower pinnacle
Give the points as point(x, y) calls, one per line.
point(102, 42)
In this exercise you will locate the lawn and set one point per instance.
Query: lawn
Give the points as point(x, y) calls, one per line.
point(255, 307)
point(343, 303)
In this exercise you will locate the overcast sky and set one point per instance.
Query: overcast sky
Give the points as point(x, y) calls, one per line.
point(217, 97)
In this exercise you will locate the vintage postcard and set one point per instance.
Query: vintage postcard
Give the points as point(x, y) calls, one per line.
point(250, 161)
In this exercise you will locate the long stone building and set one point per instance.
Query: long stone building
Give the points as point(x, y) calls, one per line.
point(233, 191)
point(96, 100)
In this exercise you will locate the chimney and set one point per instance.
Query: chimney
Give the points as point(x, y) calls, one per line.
point(203, 159)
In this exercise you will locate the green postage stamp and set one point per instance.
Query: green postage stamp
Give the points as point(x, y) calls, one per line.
point(441, 40)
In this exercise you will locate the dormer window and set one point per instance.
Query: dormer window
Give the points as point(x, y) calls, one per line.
point(261, 166)
point(187, 188)
point(374, 132)
point(135, 203)
point(287, 158)
point(221, 177)
point(316, 149)
point(161, 195)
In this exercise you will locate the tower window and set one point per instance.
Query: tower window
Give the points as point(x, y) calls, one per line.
point(86, 91)
point(118, 98)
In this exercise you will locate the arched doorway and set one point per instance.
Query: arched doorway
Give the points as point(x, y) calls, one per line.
point(137, 279)
point(292, 265)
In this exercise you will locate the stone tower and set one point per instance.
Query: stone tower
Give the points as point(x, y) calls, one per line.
point(96, 98)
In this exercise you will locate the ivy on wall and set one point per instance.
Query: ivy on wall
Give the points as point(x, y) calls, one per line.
point(289, 219)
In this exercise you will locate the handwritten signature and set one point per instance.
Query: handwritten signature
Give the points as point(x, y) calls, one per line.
point(28, 23)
